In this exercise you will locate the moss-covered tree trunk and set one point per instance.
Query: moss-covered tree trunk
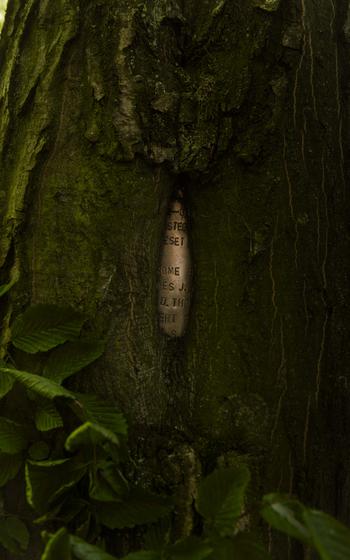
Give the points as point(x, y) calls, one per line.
point(105, 107)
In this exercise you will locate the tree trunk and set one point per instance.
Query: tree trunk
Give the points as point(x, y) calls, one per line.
point(107, 107)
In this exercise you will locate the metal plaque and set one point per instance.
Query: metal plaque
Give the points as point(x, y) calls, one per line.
point(175, 273)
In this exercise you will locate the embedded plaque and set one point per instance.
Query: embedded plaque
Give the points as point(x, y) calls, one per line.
point(175, 271)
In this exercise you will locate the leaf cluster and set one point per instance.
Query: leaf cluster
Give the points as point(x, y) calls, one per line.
point(71, 450)
point(70, 447)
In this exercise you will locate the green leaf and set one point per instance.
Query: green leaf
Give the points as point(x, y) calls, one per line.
point(115, 479)
point(107, 484)
point(72, 357)
point(9, 467)
point(42, 327)
point(89, 434)
point(140, 507)
point(331, 538)
point(12, 437)
point(241, 547)
point(144, 555)
point(101, 412)
point(14, 534)
point(6, 381)
point(191, 548)
point(286, 515)
point(5, 540)
point(48, 480)
point(66, 510)
point(17, 531)
point(58, 546)
point(40, 385)
point(85, 551)
point(47, 417)
point(221, 497)
point(39, 451)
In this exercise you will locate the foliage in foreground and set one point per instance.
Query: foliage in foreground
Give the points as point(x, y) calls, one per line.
point(71, 450)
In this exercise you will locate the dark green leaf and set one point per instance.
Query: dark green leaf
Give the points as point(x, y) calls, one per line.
point(66, 510)
point(89, 434)
point(101, 412)
point(47, 417)
point(286, 515)
point(240, 547)
point(107, 484)
point(140, 507)
point(6, 381)
point(42, 327)
point(39, 451)
point(12, 437)
point(83, 525)
point(115, 478)
point(191, 548)
point(40, 385)
point(17, 531)
point(85, 551)
point(14, 534)
point(72, 357)
point(221, 497)
point(5, 540)
point(58, 546)
point(9, 467)
point(47, 480)
point(331, 538)
point(144, 555)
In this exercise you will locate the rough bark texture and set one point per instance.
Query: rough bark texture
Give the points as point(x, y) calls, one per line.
point(105, 107)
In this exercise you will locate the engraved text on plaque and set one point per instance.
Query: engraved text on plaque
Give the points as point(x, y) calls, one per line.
point(175, 272)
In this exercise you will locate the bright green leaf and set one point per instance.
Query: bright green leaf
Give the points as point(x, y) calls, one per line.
point(47, 417)
point(9, 467)
point(42, 327)
point(40, 385)
point(89, 434)
point(58, 546)
point(285, 514)
point(138, 508)
point(72, 357)
point(191, 548)
point(12, 436)
point(221, 497)
point(48, 480)
point(85, 551)
point(331, 538)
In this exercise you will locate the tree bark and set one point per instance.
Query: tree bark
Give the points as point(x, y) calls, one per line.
point(106, 108)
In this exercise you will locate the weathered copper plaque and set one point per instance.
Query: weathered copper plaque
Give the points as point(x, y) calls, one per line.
point(175, 271)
